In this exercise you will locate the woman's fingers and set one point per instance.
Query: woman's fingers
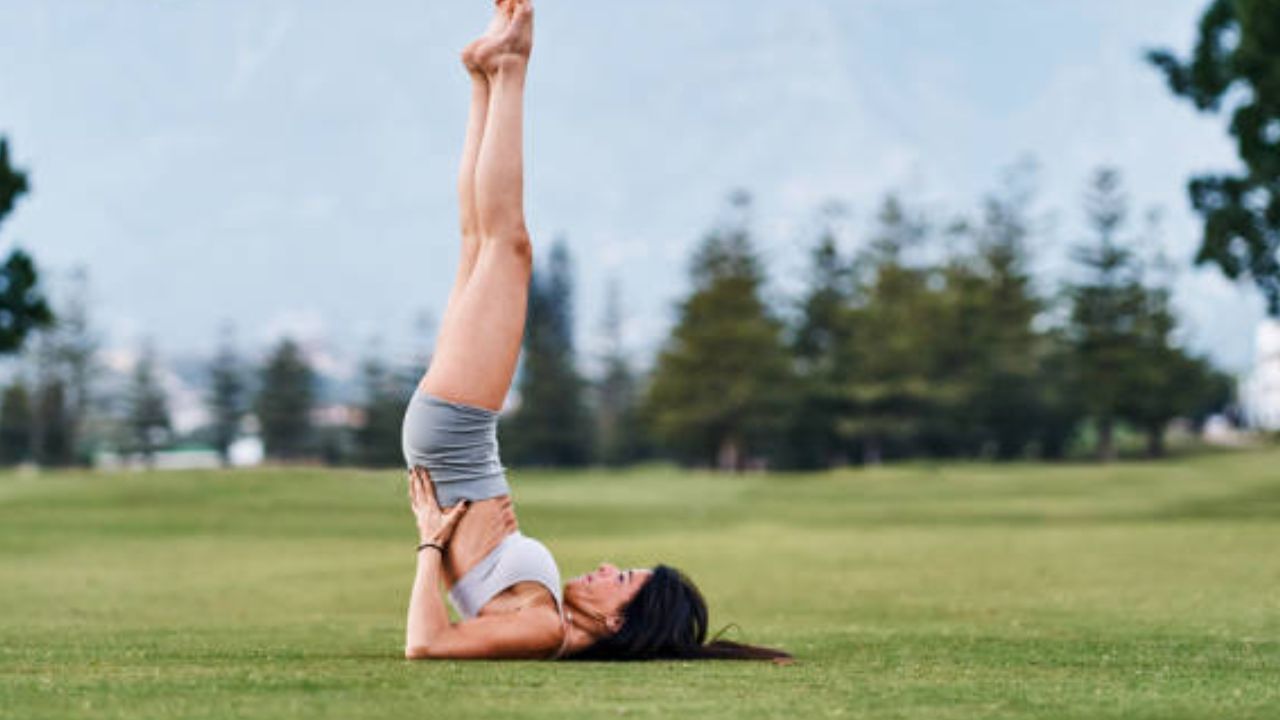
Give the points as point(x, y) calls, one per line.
point(421, 488)
point(451, 518)
point(508, 515)
point(426, 488)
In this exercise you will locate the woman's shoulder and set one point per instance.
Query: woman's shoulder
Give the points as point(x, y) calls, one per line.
point(533, 608)
point(527, 599)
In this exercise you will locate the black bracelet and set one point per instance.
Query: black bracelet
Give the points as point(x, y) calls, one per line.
point(426, 545)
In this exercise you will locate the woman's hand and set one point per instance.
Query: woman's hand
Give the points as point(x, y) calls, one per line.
point(434, 524)
point(486, 525)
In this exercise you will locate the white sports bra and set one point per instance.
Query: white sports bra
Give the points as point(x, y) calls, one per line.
point(518, 558)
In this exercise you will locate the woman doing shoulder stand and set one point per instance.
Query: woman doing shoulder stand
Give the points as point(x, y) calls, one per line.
point(505, 585)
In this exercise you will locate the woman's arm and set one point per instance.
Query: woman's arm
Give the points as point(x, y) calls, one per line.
point(428, 620)
point(428, 632)
point(530, 634)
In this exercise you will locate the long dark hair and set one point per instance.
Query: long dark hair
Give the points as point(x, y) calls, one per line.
point(667, 619)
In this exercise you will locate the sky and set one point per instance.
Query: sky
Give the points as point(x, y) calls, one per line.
point(288, 166)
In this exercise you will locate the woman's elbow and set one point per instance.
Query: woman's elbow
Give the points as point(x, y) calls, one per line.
point(416, 652)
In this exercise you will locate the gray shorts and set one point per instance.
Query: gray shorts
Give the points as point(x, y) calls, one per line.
point(458, 445)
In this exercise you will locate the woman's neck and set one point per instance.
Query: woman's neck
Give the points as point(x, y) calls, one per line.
point(582, 628)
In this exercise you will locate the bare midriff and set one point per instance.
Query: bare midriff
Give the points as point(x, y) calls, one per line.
point(474, 538)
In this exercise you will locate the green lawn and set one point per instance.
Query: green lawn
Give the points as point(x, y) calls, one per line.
point(951, 591)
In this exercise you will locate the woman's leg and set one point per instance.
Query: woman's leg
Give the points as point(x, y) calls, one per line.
point(466, 186)
point(479, 341)
point(479, 110)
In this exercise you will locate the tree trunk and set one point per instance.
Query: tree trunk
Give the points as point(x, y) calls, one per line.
point(1106, 439)
point(729, 457)
point(871, 452)
point(1155, 440)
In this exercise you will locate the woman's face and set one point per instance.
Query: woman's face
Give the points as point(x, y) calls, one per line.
point(607, 590)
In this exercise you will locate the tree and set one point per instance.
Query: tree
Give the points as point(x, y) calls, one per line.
point(51, 418)
point(620, 434)
point(1161, 380)
point(898, 388)
point(821, 346)
point(1060, 406)
point(720, 385)
point(76, 347)
point(995, 350)
point(54, 448)
point(385, 392)
point(15, 424)
point(1211, 391)
point(148, 408)
point(23, 307)
point(285, 398)
point(1237, 59)
point(1107, 310)
point(551, 426)
point(227, 399)
point(64, 370)
point(1165, 381)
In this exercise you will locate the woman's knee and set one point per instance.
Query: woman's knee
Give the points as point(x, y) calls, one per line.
point(515, 240)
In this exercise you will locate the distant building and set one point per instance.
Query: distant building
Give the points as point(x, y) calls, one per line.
point(337, 416)
point(244, 452)
point(1261, 391)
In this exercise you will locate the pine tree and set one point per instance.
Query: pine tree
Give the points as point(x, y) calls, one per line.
point(54, 448)
point(821, 345)
point(286, 394)
point(385, 393)
point(992, 309)
point(1107, 309)
point(719, 390)
point(897, 389)
point(227, 399)
point(620, 435)
point(15, 424)
point(148, 408)
point(76, 347)
point(1165, 381)
point(552, 426)
point(1059, 401)
point(1237, 59)
point(51, 418)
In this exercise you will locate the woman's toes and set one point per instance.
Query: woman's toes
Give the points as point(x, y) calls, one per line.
point(471, 56)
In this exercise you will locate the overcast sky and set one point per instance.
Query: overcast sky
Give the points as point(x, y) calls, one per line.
point(289, 165)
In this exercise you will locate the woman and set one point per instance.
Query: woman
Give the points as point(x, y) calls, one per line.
point(504, 585)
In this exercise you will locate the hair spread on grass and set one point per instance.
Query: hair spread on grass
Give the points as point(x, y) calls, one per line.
point(667, 619)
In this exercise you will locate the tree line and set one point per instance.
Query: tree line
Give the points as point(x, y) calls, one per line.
point(64, 406)
point(926, 340)
point(920, 339)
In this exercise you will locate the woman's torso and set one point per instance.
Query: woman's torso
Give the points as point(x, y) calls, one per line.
point(473, 540)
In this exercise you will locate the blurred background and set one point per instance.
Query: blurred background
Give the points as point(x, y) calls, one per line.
point(770, 235)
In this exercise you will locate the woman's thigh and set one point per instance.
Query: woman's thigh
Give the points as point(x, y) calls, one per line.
point(479, 342)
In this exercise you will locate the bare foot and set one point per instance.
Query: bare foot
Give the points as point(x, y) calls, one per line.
point(497, 26)
point(513, 44)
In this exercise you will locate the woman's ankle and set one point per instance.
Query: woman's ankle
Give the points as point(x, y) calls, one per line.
point(506, 64)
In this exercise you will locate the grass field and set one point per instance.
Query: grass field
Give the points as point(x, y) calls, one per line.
point(952, 591)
